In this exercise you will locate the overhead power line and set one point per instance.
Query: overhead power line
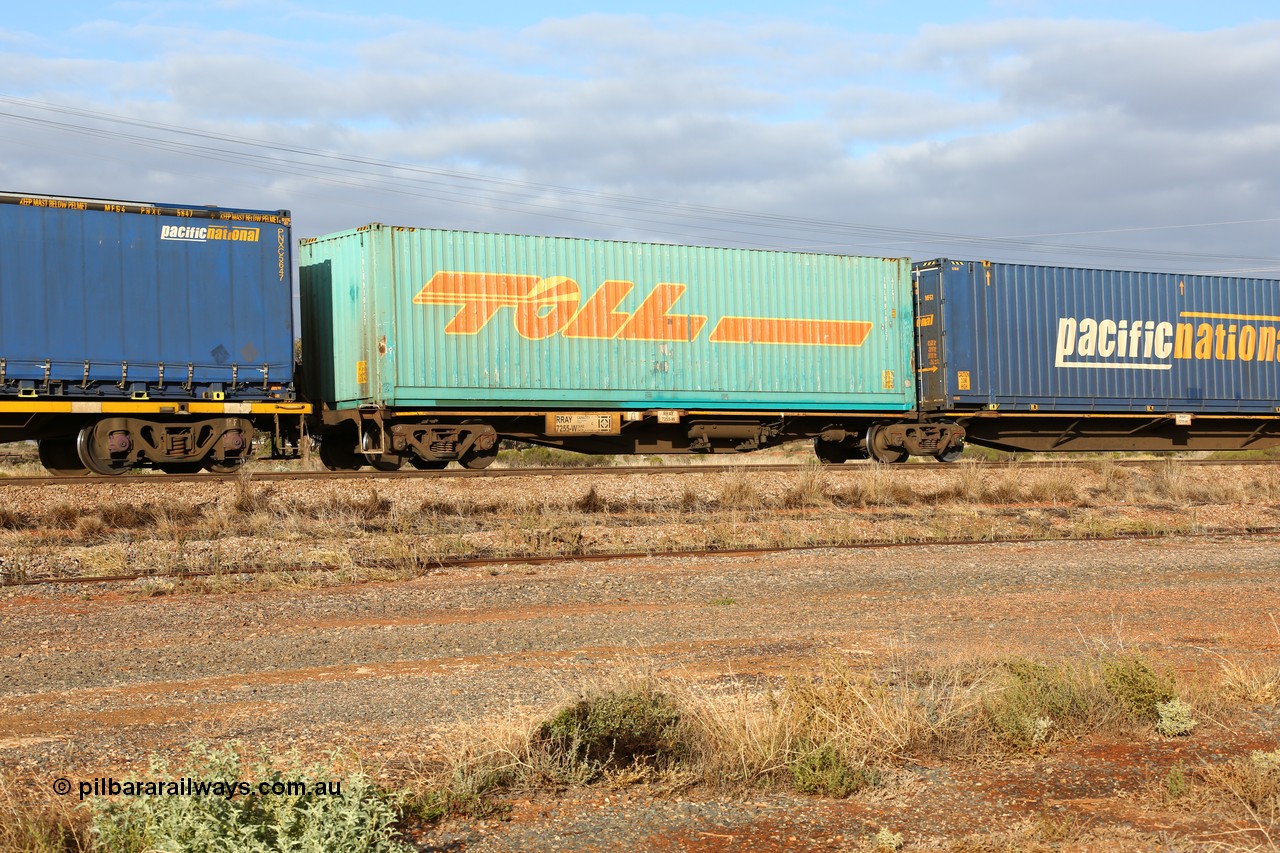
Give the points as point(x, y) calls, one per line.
point(681, 220)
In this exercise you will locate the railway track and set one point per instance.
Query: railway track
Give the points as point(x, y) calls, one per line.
point(464, 473)
point(428, 566)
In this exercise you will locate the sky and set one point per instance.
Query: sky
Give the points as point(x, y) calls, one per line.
point(1136, 135)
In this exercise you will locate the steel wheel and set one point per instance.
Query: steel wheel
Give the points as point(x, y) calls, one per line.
point(60, 458)
point(383, 463)
point(87, 451)
point(830, 452)
point(338, 452)
point(951, 454)
point(880, 451)
point(479, 458)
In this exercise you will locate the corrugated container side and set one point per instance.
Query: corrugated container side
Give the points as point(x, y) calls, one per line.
point(1032, 338)
point(443, 318)
point(114, 290)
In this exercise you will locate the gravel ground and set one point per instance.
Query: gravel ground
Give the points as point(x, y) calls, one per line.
point(98, 677)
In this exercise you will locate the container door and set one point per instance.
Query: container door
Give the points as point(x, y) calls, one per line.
point(931, 366)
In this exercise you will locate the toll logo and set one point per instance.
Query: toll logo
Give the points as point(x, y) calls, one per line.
point(541, 307)
point(205, 233)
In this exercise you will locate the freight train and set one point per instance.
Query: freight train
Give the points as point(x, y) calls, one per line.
point(138, 335)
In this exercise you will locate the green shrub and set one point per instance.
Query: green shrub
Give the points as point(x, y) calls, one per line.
point(612, 730)
point(1176, 784)
point(1175, 718)
point(1036, 701)
point(1137, 686)
point(823, 770)
point(356, 817)
point(886, 839)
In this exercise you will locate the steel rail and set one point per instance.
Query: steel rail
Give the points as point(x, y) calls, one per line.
point(429, 566)
point(647, 470)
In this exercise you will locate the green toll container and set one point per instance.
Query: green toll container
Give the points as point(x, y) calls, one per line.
point(408, 317)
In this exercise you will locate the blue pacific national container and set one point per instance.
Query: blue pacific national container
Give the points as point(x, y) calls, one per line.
point(125, 299)
point(1018, 338)
point(416, 317)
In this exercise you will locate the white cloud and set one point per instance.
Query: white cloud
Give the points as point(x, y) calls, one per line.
point(999, 128)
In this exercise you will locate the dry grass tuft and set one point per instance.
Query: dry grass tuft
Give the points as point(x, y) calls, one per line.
point(691, 501)
point(32, 821)
point(739, 493)
point(126, 515)
point(90, 529)
point(877, 485)
point(368, 507)
point(61, 516)
point(808, 490)
point(1253, 782)
point(591, 502)
point(1249, 682)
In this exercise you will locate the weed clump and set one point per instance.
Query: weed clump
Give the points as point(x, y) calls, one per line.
point(1252, 781)
point(1177, 784)
point(824, 771)
point(1137, 686)
point(369, 507)
point(876, 486)
point(591, 501)
point(38, 824)
point(691, 501)
point(614, 730)
point(249, 498)
point(1174, 718)
point(62, 516)
point(1035, 702)
point(739, 493)
point(809, 490)
point(126, 515)
point(356, 816)
point(91, 529)
point(550, 457)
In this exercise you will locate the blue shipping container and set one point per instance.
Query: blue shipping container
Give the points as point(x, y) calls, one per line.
point(1012, 337)
point(418, 317)
point(122, 299)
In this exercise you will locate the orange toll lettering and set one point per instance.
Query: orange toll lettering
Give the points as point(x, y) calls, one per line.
point(598, 319)
point(542, 307)
point(547, 308)
point(651, 322)
point(481, 295)
point(767, 330)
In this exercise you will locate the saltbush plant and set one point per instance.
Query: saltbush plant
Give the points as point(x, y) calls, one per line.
point(355, 817)
point(1175, 718)
point(1137, 685)
point(612, 730)
point(1033, 703)
point(825, 771)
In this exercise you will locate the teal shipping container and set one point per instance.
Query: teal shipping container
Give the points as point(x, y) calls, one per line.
point(405, 317)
